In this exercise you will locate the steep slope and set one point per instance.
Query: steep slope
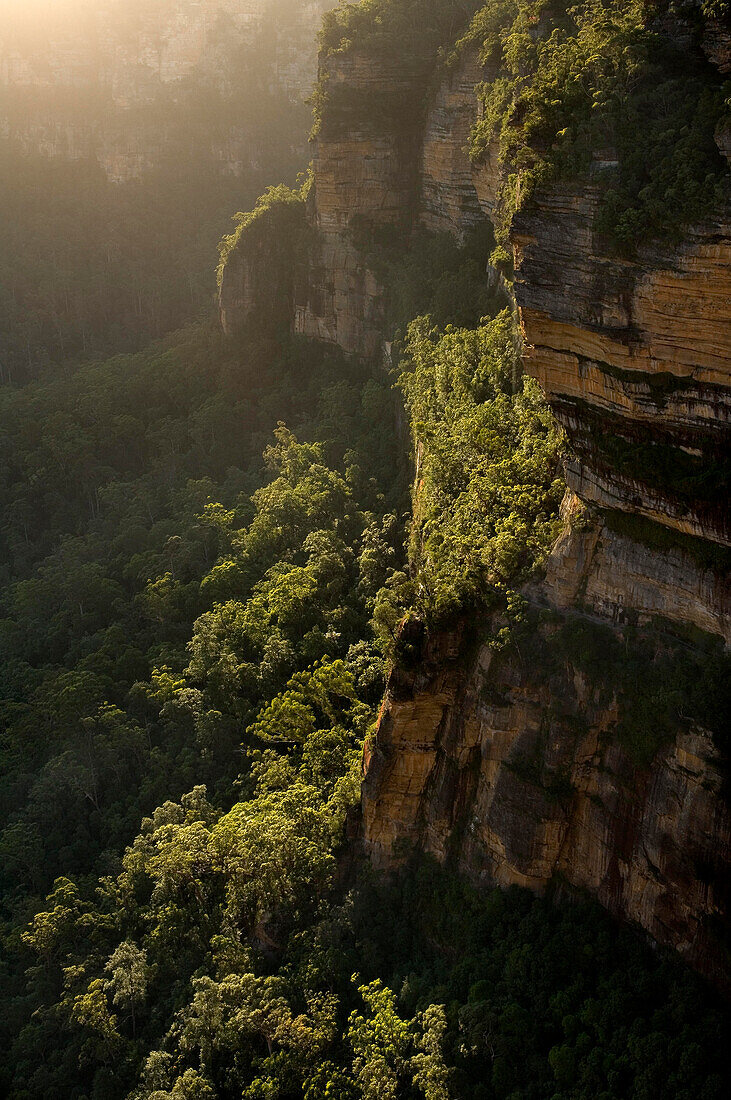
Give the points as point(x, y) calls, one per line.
point(546, 761)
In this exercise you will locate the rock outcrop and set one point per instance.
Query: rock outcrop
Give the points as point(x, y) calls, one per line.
point(519, 779)
point(267, 261)
point(633, 353)
point(365, 180)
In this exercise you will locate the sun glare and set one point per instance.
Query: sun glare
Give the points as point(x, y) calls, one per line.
point(42, 16)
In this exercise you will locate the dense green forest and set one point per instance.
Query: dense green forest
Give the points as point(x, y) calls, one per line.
point(195, 637)
point(207, 550)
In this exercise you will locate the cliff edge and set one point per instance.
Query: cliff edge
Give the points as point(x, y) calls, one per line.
point(569, 757)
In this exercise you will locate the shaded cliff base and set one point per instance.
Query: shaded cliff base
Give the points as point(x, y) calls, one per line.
point(591, 750)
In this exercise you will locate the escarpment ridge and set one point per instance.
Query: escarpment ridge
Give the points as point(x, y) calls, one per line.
point(524, 767)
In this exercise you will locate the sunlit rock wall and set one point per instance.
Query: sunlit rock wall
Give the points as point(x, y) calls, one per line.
point(514, 769)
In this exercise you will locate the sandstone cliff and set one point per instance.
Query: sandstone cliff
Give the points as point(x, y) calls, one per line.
point(519, 766)
point(516, 766)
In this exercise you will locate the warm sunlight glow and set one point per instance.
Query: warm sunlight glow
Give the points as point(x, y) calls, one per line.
point(29, 10)
point(43, 18)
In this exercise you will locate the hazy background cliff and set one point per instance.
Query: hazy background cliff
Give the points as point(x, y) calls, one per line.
point(129, 133)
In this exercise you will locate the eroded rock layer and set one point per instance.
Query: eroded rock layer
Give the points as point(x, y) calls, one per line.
point(633, 355)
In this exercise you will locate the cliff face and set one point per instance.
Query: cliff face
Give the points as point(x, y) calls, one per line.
point(365, 177)
point(632, 353)
point(521, 781)
point(381, 162)
point(518, 766)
